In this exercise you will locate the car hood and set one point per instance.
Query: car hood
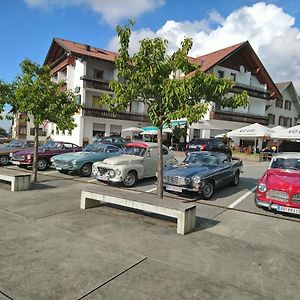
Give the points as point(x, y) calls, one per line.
point(123, 159)
point(77, 155)
point(189, 170)
point(283, 180)
point(6, 149)
point(26, 151)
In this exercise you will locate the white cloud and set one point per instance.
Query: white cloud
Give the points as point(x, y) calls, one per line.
point(268, 28)
point(111, 11)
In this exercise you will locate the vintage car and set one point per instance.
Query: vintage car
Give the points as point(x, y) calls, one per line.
point(279, 187)
point(4, 139)
point(82, 161)
point(112, 140)
point(202, 172)
point(139, 160)
point(13, 146)
point(24, 158)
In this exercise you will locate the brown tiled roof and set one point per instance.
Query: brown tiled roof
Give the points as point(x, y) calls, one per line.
point(86, 50)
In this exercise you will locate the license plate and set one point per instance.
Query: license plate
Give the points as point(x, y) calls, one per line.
point(16, 162)
point(289, 210)
point(102, 177)
point(173, 188)
point(58, 168)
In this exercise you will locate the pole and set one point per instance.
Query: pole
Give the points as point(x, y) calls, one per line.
point(35, 154)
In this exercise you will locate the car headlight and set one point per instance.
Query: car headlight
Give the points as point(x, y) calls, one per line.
point(10, 154)
point(262, 187)
point(197, 179)
point(73, 162)
point(29, 156)
point(118, 172)
point(52, 160)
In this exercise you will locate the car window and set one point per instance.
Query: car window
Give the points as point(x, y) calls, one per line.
point(108, 140)
point(165, 151)
point(111, 149)
point(68, 145)
point(30, 144)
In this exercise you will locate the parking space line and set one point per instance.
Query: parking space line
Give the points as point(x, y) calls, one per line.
point(236, 202)
point(151, 190)
point(49, 172)
point(92, 180)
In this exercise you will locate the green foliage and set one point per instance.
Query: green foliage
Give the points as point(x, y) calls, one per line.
point(149, 76)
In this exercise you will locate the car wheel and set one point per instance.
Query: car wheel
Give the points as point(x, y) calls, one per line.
point(86, 170)
point(208, 190)
point(42, 164)
point(4, 159)
point(236, 178)
point(130, 179)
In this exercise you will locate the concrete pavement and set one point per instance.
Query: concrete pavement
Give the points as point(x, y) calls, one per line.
point(50, 249)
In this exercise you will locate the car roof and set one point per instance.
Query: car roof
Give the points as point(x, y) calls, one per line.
point(210, 153)
point(288, 155)
point(141, 144)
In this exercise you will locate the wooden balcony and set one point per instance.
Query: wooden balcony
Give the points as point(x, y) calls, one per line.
point(238, 117)
point(251, 91)
point(96, 84)
point(101, 113)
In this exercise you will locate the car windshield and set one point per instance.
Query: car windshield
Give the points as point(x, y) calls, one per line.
point(15, 144)
point(201, 158)
point(51, 146)
point(132, 150)
point(94, 148)
point(286, 163)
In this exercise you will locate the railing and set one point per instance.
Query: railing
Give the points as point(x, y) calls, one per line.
point(101, 113)
point(238, 117)
point(92, 83)
point(251, 91)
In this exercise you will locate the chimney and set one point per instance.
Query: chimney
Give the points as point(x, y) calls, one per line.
point(88, 47)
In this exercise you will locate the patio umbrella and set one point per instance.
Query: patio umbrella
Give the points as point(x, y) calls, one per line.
point(251, 131)
point(292, 133)
point(133, 129)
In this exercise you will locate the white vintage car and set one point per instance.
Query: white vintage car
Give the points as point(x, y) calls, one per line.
point(139, 160)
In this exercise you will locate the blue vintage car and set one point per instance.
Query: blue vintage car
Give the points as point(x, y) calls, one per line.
point(202, 172)
point(82, 161)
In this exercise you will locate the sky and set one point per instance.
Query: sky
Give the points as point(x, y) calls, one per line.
point(271, 27)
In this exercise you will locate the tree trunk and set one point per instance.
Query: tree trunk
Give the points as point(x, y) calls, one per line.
point(35, 154)
point(160, 190)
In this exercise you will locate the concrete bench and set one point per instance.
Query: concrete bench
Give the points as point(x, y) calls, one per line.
point(185, 213)
point(19, 181)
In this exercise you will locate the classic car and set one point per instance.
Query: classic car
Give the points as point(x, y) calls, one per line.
point(279, 188)
point(112, 140)
point(13, 146)
point(24, 158)
point(138, 160)
point(82, 161)
point(4, 139)
point(202, 172)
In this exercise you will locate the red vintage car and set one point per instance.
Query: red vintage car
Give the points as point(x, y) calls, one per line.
point(24, 158)
point(279, 188)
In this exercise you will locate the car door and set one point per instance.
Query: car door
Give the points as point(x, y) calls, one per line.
point(150, 162)
point(226, 167)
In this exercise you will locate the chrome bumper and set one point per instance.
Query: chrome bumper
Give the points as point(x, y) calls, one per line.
point(269, 205)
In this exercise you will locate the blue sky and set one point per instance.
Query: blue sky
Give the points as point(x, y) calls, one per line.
point(272, 27)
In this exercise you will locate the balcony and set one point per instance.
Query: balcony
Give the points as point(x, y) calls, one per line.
point(96, 84)
point(238, 117)
point(251, 91)
point(101, 113)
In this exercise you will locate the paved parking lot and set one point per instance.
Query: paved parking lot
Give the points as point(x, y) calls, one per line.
point(50, 249)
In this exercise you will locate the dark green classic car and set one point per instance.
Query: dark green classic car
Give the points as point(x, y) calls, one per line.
point(81, 162)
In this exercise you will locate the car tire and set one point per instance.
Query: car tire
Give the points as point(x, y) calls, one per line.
point(130, 179)
point(86, 170)
point(4, 160)
point(42, 164)
point(236, 179)
point(208, 190)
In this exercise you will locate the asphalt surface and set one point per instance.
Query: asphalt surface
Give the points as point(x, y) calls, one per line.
point(50, 249)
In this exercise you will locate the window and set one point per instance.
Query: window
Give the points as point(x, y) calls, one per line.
point(279, 103)
point(69, 132)
point(287, 105)
point(271, 119)
point(68, 145)
point(221, 74)
point(41, 132)
point(281, 121)
point(233, 76)
point(295, 121)
point(165, 151)
point(112, 149)
point(98, 74)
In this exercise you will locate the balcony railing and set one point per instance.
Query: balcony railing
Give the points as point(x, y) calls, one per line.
point(238, 117)
point(251, 91)
point(92, 83)
point(101, 113)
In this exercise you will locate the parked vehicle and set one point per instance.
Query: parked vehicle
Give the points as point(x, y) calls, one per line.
point(139, 160)
point(13, 146)
point(279, 188)
point(4, 139)
point(203, 172)
point(209, 144)
point(24, 158)
point(82, 161)
point(112, 140)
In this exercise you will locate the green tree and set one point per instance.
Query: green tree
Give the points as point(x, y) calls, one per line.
point(149, 76)
point(35, 94)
